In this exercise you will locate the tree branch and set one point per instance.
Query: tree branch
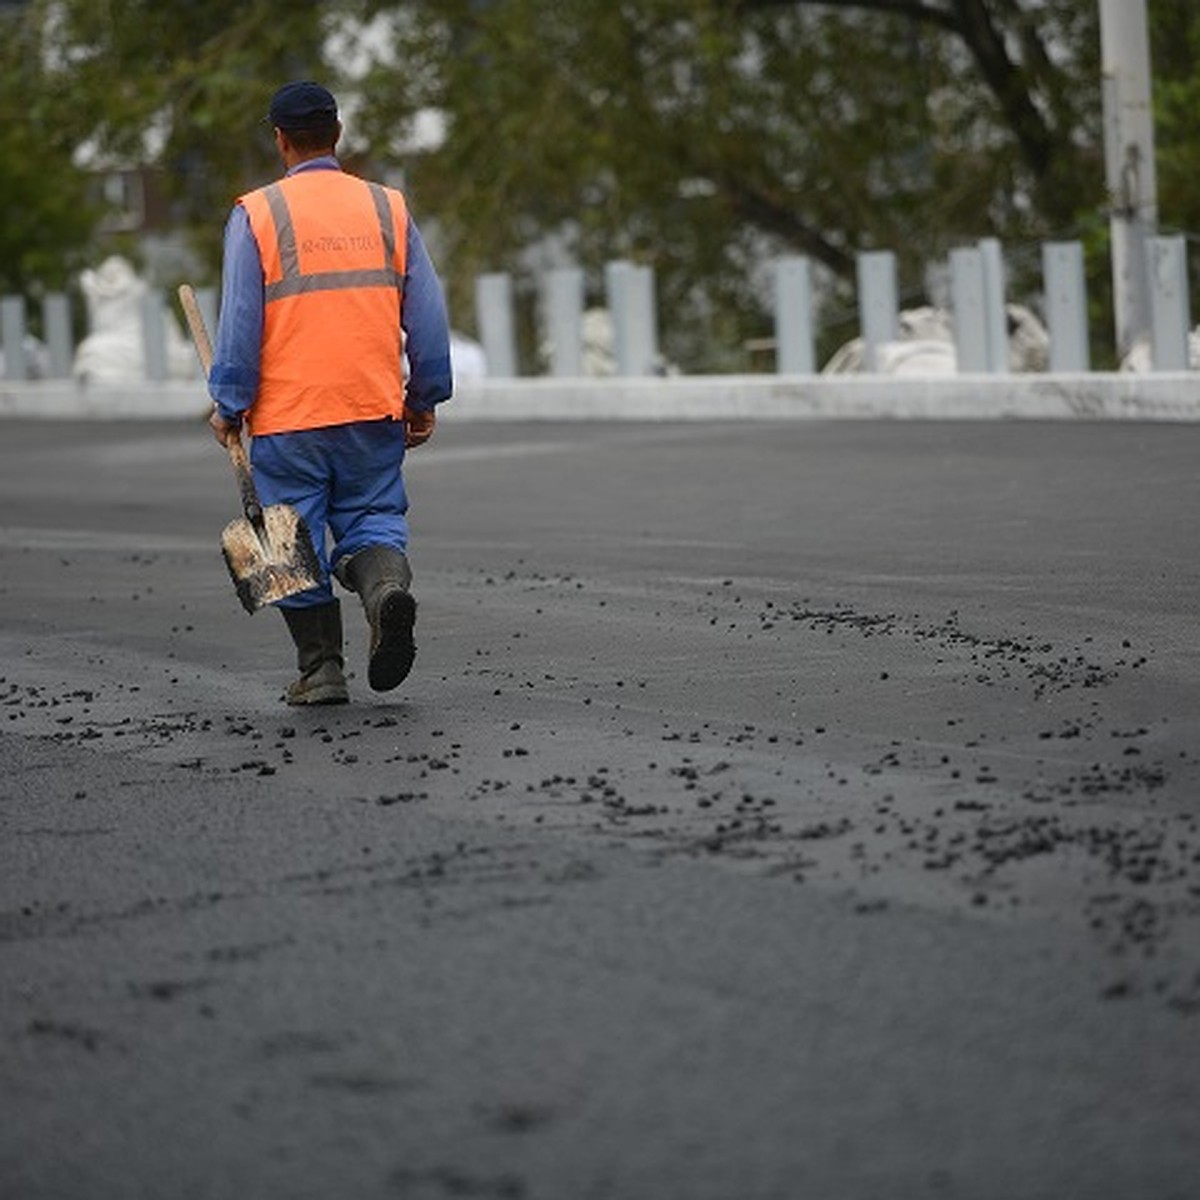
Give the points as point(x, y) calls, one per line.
point(914, 10)
point(768, 213)
point(972, 21)
point(1008, 83)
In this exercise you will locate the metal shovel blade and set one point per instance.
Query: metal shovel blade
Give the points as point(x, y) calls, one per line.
point(272, 564)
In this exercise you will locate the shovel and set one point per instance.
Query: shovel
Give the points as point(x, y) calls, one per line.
point(269, 552)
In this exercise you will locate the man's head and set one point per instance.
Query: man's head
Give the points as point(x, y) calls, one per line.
point(306, 116)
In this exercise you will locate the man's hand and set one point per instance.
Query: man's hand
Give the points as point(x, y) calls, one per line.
point(222, 429)
point(418, 427)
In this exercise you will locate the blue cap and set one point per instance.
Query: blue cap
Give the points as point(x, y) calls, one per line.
point(302, 105)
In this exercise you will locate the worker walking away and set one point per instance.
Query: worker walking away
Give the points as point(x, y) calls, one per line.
point(327, 288)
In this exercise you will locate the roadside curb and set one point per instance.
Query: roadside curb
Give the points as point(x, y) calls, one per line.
point(1091, 396)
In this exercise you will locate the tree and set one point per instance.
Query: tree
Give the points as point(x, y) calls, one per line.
point(1174, 52)
point(180, 87)
point(698, 136)
point(701, 135)
point(47, 219)
point(175, 87)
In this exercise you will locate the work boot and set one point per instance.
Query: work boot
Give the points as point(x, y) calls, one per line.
point(317, 632)
point(381, 575)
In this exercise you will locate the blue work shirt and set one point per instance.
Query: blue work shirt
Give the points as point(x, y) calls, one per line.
point(233, 379)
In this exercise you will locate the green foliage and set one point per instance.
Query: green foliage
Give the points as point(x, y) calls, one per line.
point(700, 137)
point(194, 76)
point(47, 221)
point(1174, 52)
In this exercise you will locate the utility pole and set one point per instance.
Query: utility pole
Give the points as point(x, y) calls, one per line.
point(1129, 161)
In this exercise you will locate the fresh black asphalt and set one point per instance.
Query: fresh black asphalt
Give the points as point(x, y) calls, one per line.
point(776, 810)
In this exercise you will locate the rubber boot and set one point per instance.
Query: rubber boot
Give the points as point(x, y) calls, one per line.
point(381, 575)
point(317, 632)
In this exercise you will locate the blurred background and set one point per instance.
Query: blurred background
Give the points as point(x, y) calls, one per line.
point(700, 138)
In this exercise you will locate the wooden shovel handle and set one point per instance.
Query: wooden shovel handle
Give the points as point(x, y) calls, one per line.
point(245, 481)
point(233, 443)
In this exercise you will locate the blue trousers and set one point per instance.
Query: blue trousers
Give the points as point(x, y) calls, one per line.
point(344, 479)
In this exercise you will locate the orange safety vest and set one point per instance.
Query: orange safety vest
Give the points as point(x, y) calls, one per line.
point(333, 251)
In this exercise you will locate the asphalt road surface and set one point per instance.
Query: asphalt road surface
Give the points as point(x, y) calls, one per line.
point(775, 811)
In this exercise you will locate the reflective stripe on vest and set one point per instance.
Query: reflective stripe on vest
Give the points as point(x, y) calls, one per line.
point(333, 253)
point(293, 282)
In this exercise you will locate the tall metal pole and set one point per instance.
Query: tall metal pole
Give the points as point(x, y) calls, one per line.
point(1129, 161)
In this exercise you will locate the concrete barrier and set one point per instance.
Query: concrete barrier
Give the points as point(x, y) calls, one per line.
point(1088, 396)
point(68, 399)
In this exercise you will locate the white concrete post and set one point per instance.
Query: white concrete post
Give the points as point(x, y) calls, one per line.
point(1169, 303)
point(878, 307)
point(994, 310)
point(563, 304)
point(1129, 161)
point(154, 336)
point(970, 309)
point(1066, 306)
point(631, 304)
point(497, 332)
point(60, 344)
point(793, 316)
point(12, 337)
